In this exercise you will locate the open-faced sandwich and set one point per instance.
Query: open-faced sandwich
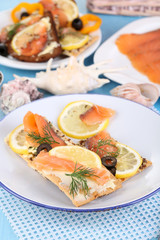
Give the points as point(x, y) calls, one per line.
point(78, 172)
point(37, 42)
point(47, 29)
point(94, 167)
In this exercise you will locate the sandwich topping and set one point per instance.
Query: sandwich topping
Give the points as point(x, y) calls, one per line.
point(32, 39)
point(83, 171)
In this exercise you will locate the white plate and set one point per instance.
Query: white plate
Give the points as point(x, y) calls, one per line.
point(133, 124)
point(109, 50)
point(5, 19)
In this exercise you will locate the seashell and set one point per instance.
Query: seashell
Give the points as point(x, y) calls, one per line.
point(73, 78)
point(17, 93)
point(146, 94)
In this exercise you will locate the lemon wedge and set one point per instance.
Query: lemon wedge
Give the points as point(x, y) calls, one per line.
point(69, 121)
point(75, 40)
point(17, 140)
point(77, 154)
point(128, 161)
point(69, 7)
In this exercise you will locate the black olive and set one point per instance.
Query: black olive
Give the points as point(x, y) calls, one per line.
point(109, 161)
point(24, 14)
point(3, 50)
point(113, 170)
point(44, 146)
point(77, 24)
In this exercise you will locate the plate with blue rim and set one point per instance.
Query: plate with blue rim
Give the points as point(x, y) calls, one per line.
point(133, 124)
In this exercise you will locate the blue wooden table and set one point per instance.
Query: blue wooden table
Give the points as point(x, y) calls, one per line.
point(109, 26)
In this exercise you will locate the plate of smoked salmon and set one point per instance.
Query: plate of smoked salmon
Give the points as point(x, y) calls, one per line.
point(48, 175)
point(10, 50)
point(135, 50)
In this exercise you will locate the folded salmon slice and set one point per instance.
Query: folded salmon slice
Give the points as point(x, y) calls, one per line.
point(38, 125)
point(96, 114)
point(47, 162)
point(102, 144)
point(143, 50)
point(128, 42)
point(146, 47)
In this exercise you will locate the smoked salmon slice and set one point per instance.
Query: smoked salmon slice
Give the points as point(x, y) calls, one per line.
point(47, 162)
point(96, 114)
point(128, 42)
point(38, 125)
point(143, 50)
point(150, 46)
point(102, 144)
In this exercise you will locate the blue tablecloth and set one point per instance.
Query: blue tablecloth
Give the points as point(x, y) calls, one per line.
point(20, 220)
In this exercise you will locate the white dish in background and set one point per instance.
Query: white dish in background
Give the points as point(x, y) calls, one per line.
point(109, 50)
point(5, 19)
point(133, 124)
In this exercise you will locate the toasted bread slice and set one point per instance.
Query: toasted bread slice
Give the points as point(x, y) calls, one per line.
point(59, 178)
point(51, 49)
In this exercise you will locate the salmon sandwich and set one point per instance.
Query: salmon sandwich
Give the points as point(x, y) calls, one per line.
point(37, 42)
point(123, 161)
point(77, 171)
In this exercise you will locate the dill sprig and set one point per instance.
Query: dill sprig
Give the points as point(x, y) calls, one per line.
point(47, 138)
point(79, 181)
point(13, 30)
point(105, 142)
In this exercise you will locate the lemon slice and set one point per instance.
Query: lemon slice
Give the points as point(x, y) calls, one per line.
point(128, 161)
point(72, 41)
point(17, 140)
point(77, 154)
point(69, 7)
point(70, 123)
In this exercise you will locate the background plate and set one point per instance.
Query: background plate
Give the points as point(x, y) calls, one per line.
point(109, 50)
point(133, 124)
point(5, 19)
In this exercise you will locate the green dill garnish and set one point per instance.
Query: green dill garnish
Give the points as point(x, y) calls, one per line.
point(13, 30)
point(79, 180)
point(106, 142)
point(47, 138)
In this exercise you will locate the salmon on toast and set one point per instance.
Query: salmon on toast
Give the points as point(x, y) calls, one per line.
point(123, 161)
point(92, 182)
point(37, 42)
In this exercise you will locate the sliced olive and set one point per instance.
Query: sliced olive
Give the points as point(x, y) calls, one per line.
point(109, 161)
point(24, 14)
point(112, 170)
point(44, 146)
point(77, 24)
point(3, 50)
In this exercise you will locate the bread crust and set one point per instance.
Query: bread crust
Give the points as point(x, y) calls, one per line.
point(52, 36)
